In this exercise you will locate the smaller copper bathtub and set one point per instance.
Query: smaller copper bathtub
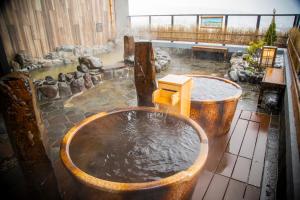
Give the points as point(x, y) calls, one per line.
point(214, 115)
point(178, 186)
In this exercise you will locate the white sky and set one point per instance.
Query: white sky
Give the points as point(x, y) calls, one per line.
point(139, 7)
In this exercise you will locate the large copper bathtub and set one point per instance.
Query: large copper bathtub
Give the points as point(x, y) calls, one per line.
point(178, 186)
point(214, 115)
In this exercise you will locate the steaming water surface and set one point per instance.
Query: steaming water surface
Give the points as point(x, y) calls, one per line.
point(212, 89)
point(135, 146)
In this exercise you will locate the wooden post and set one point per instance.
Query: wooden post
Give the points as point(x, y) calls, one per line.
point(25, 128)
point(257, 26)
point(128, 46)
point(144, 73)
point(197, 28)
point(172, 27)
point(225, 29)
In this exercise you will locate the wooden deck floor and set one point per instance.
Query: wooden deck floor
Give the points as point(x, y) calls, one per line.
point(235, 164)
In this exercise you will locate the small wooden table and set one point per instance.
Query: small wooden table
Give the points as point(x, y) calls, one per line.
point(273, 79)
point(213, 49)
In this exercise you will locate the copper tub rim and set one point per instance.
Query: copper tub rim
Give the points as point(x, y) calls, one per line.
point(111, 186)
point(227, 99)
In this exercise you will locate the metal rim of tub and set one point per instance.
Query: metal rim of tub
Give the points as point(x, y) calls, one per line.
point(101, 184)
point(227, 99)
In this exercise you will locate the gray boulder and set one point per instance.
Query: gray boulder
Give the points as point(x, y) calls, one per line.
point(23, 58)
point(78, 75)
point(66, 48)
point(83, 68)
point(61, 77)
point(88, 83)
point(69, 77)
point(242, 76)
point(15, 65)
point(91, 62)
point(48, 91)
point(96, 79)
point(49, 80)
point(64, 89)
point(52, 56)
point(271, 100)
point(233, 75)
point(77, 85)
point(67, 61)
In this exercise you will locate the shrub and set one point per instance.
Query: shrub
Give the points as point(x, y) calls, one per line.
point(254, 52)
point(271, 37)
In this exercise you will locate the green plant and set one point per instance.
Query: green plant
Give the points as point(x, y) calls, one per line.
point(254, 47)
point(271, 37)
point(253, 51)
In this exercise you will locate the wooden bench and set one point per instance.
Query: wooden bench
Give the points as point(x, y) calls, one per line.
point(274, 80)
point(213, 49)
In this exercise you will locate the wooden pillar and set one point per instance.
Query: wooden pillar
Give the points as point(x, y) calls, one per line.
point(144, 73)
point(128, 46)
point(24, 126)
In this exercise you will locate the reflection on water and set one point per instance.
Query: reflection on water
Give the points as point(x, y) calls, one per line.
point(135, 146)
point(108, 59)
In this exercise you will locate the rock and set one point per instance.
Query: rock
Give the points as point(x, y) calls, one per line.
point(236, 61)
point(88, 83)
point(157, 67)
point(23, 58)
point(57, 62)
point(66, 48)
point(237, 67)
point(129, 59)
point(61, 77)
point(77, 51)
point(64, 89)
point(271, 100)
point(77, 85)
point(95, 72)
point(162, 60)
point(69, 77)
point(233, 75)
point(49, 91)
point(83, 68)
point(15, 66)
point(248, 73)
point(78, 75)
point(49, 80)
point(87, 52)
point(91, 62)
point(51, 55)
point(47, 63)
point(96, 79)
point(242, 76)
point(67, 61)
point(237, 54)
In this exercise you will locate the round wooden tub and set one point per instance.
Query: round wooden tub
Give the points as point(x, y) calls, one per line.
point(213, 103)
point(177, 186)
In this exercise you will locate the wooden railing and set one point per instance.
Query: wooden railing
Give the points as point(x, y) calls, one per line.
point(195, 33)
point(294, 58)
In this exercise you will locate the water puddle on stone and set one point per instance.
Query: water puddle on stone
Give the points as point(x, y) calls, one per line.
point(135, 146)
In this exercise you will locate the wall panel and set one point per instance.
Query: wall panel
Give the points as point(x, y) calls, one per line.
point(38, 26)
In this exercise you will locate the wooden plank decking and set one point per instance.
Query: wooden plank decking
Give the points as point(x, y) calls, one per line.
point(235, 164)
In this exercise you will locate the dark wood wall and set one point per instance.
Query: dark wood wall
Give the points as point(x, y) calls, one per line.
point(38, 26)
